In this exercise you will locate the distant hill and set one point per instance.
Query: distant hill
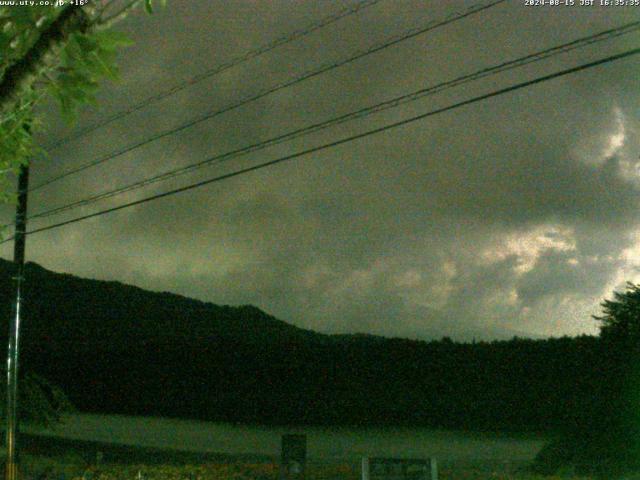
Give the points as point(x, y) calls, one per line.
point(115, 348)
point(64, 308)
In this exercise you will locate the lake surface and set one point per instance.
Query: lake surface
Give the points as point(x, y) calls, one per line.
point(328, 443)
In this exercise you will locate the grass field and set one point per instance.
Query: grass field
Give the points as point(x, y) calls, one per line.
point(323, 443)
point(156, 448)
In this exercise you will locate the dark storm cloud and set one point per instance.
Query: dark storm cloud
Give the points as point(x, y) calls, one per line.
point(561, 273)
point(533, 184)
point(509, 216)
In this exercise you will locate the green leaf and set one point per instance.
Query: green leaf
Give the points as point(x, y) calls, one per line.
point(103, 68)
point(73, 50)
point(86, 43)
point(147, 6)
point(111, 40)
point(22, 16)
point(5, 40)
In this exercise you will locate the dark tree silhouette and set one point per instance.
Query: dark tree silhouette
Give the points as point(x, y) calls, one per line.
point(620, 321)
point(606, 435)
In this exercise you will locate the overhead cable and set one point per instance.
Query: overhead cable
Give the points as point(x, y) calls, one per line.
point(280, 86)
point(363, 112)
point(341, 141)
point(278, 42)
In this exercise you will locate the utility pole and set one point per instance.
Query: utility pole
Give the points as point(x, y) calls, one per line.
point(11, 472)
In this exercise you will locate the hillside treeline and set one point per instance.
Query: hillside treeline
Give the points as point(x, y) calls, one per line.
point(114, 348)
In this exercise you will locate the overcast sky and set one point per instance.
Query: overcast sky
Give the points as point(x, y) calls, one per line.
point(514, 215)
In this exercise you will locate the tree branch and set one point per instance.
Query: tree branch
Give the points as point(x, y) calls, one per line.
point(22, 74)
point(115, 17)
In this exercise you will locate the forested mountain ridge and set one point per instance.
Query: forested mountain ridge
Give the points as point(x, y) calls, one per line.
point(116, 348)
point(90, 310)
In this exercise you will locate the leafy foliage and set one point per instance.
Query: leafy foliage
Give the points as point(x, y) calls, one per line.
point(85, 60)
point(41, 402)
point(621, 316)
point(70, 72)
point(16, 143)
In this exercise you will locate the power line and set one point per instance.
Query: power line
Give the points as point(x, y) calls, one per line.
point(278, 42)
point(335, 143)
point(280, 86)
point(363, 112)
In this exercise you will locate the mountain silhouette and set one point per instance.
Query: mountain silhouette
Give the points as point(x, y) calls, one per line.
point(116, 348)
